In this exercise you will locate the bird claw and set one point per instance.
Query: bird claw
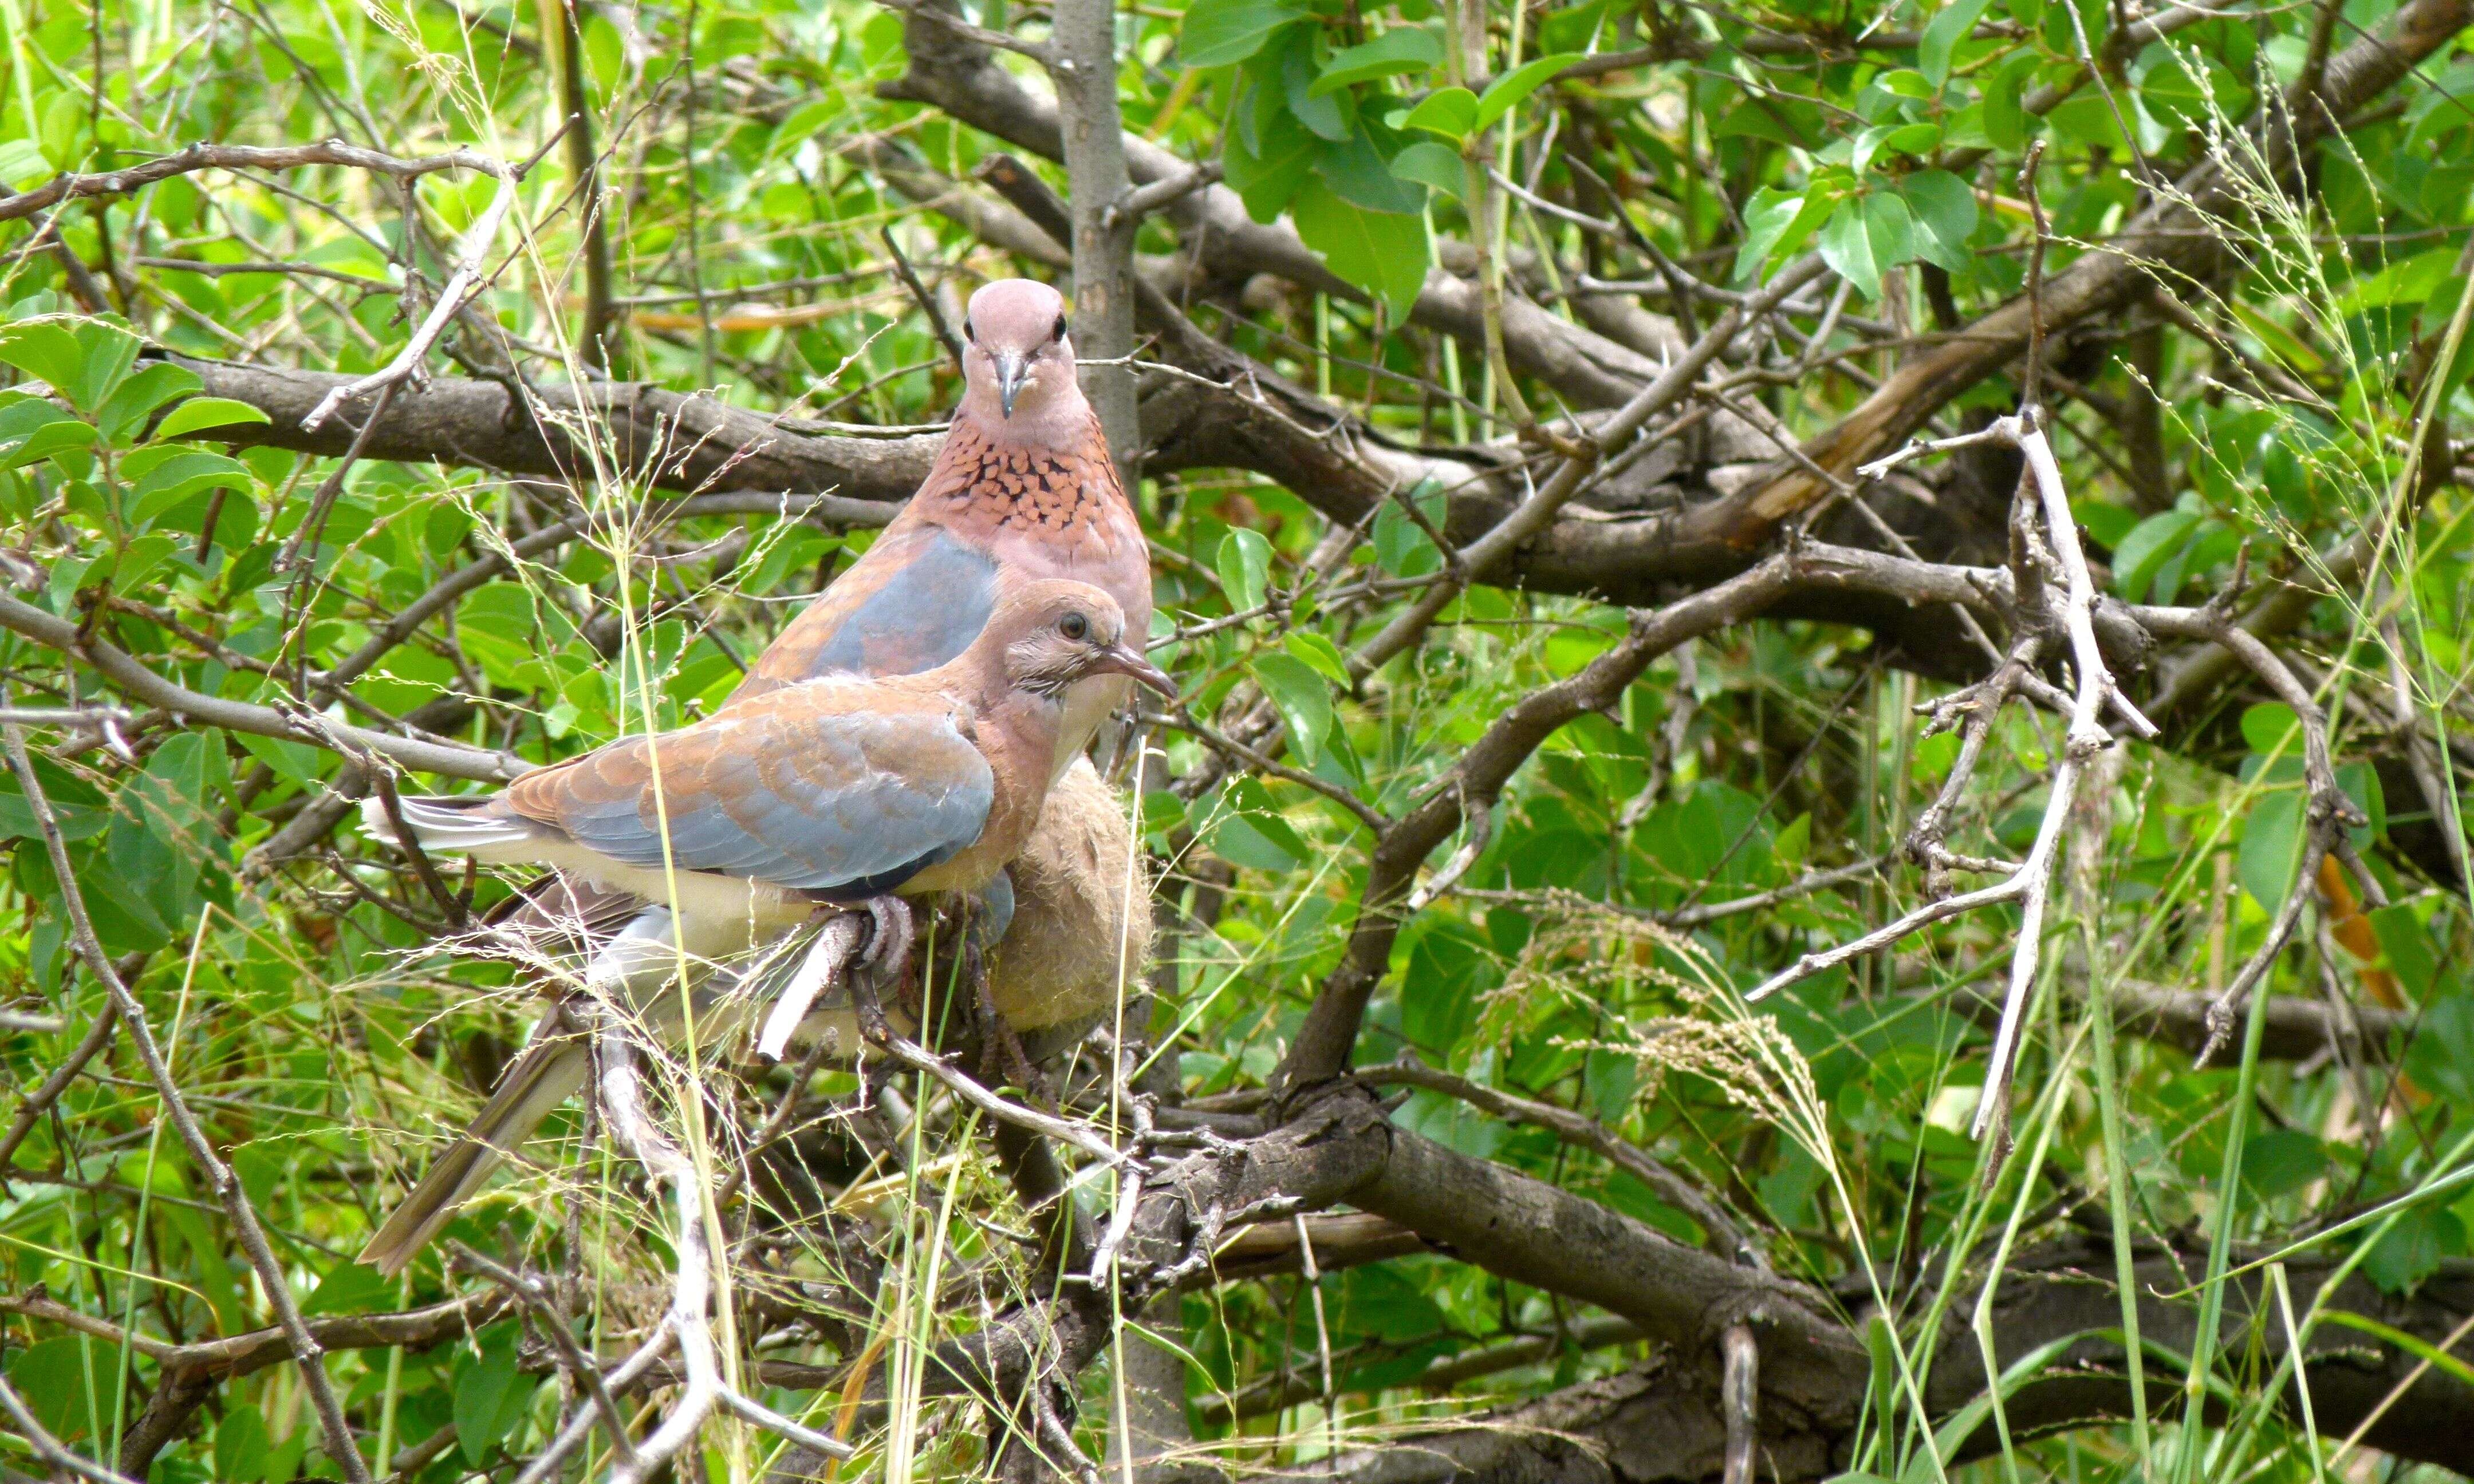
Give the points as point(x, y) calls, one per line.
point(1002, 1056)
point(889, 944)
point(887, 953)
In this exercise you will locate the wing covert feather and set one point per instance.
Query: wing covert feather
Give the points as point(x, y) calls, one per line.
point(802, 795)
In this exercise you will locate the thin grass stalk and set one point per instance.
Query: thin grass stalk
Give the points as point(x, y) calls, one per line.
point(2116, 1185)
point(2212, 1293)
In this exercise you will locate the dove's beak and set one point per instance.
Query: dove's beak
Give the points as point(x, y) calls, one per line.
point(1013, 368)
point(1120, 659)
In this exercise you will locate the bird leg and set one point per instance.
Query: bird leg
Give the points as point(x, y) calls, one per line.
point(1002, 1057)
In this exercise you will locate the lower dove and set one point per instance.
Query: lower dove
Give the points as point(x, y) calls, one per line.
point(836, 791)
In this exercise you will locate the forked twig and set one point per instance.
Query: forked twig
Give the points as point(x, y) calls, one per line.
point(2045, 543)
point(622, 1099)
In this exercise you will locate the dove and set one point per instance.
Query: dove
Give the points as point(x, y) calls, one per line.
point(836, 790)
point(1022, 491)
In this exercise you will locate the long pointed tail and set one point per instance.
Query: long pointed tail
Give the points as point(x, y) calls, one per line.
point(630, 965)
point(545, 1075)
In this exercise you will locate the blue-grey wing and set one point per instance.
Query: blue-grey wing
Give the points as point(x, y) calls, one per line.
point(842, 803)
point(916, 599)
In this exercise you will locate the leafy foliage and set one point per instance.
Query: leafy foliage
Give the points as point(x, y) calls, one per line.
point(759, 167)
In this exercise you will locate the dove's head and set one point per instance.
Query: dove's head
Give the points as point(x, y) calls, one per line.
point(1055, 633)
point(1016, 358)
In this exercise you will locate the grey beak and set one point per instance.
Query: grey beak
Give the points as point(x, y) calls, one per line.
point(1119, 659)
point(1012, 371)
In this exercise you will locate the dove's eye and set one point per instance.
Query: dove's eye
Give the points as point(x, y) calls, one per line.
point(1060, 332)
point(1074, 626)
point(970, 332)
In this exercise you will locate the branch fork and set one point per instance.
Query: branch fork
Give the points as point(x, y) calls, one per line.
point(2045, 554)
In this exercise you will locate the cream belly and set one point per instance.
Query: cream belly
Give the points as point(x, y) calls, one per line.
point(721, 915)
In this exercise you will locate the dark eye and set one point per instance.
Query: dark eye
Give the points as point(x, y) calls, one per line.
point(1060, 332)
point(969, 331)
point(1074, 626)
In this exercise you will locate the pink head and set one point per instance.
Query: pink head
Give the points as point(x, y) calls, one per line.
point(1017, 363)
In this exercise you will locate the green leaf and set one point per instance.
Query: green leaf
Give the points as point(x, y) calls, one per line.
point(138, 560)
point(2183, 88)
point(803, 123)
point(2414, 1247)
point(164, 475)
point(2411, 281)
point(207, 412)
point(59, 1379)
point(1331, 116)
point(2279, 1161)
point(82, 360)
point(2005, 119)
point(1448, 968)
point(488, 1399)
point(35, 429)
point(1218, 31)
point(2271, 729)
point(1892, 228)
point(1302, 698)
point(22, 165)
point(2084, 122)
point(242, 1445)
point(1506, 93)
point(1401, 549)
point(1244, 828)
point(349, 1288)
point(2271, 847)
point(1267, 179)
point(1776, 117)
point(1945, 210)
point(78, 807)
point(1776, 222)
point(2142, 553)
point(153, 384)
point(1432, 164)
point(1942, 38)
point(2406, 945)
point(1894, 139)
point(1382, 253)
point(1358, 174)
point(1245, 568)
point(1847, 247)
point(1405, 49)
point(1319, 654)
point(1449, 112)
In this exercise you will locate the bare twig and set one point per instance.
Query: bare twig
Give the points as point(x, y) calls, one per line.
point(240, 157)
point(47, 1448)
point(1533, 515)
point(1725, 1236)
point(134, 680)
point(579, 1367)
point(1740, 1397)
point(920, 296)
point(623, 1100)
point(2044, 532)
point(467, 278)
point(31, 1111)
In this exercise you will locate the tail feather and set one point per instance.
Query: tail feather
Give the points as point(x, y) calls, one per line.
point(545, 1075)
point(454, 825)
